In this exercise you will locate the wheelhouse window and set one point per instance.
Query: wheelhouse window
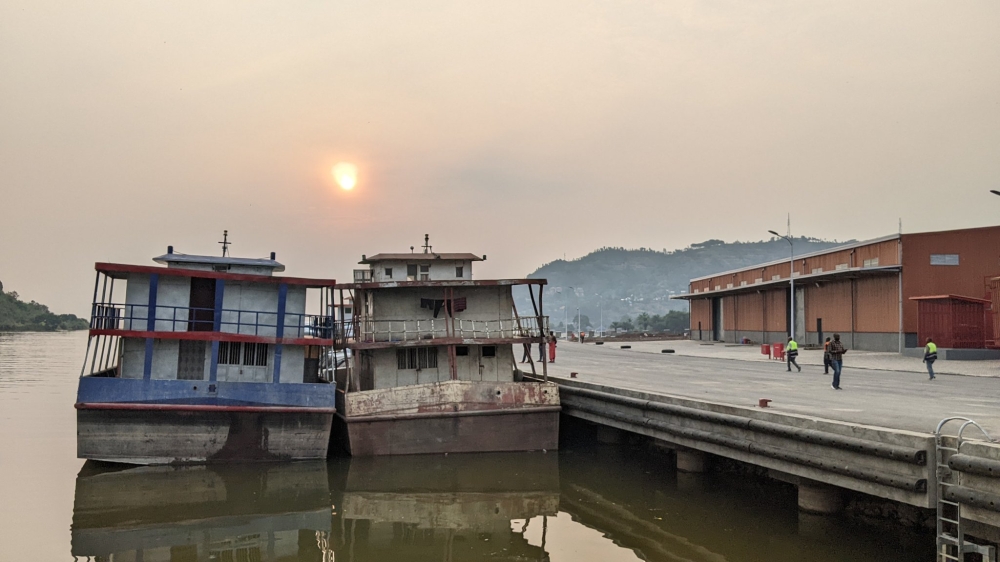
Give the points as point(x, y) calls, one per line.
point(411, 272)
point(461, 350)
point(416, 358)
point(459, 271)
point(489, 351)
point(388, 273)
point(425, 273)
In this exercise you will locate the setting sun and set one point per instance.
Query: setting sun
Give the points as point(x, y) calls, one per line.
point(346, 175)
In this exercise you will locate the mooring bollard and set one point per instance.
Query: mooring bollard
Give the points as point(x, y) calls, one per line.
point(763, 402)
point(572, 375)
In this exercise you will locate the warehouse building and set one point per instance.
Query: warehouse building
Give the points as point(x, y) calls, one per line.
point(869, 292)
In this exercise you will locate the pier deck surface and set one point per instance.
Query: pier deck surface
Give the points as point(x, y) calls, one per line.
point(890, 399)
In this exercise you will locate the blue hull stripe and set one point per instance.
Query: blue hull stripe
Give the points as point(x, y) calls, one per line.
point(115, 390)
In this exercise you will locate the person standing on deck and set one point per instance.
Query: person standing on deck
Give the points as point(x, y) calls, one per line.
point(930, 356)
point(792, 352)
point(541, 347)
point(552, 347)
point(837, 351)
point(826, 357)
point(527, 353)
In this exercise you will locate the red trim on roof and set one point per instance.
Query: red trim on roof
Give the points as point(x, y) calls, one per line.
point(111, 268)
point(446, 283)
point(212, 336)
point(950, 297)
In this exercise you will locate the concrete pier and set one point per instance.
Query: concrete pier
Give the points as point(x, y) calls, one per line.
point(820, 499)
point(691, 461)
point(875, 437)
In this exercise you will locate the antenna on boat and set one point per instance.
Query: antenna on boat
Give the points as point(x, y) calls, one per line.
point(225, 243)
point(427, 243)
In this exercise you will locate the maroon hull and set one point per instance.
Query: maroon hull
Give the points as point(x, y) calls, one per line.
point(515, 429)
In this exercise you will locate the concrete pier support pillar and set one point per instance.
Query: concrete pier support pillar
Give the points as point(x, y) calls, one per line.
point(691, 461)
point(608, 435)
point(820, 499)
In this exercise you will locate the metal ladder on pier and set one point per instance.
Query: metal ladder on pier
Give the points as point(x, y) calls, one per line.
point(951, 544)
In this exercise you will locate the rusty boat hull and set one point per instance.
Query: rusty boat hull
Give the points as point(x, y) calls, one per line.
point(448, 417)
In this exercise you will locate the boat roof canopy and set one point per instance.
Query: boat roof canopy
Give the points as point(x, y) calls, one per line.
point(430, 256)
point(172, 259)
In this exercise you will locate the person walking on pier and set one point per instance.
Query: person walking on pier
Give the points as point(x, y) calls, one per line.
point(792, 352)
point(552, 347)
point(826, 357)
point(930, 356)
point(837, 351)
point(527, 353)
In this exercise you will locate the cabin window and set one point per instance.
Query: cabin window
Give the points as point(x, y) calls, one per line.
point(462, 350)
point(388, 273)
point(870, 263)
point(459, 271)
point(411, 272)
point(489, 351)
point(417, 358)
point(246, 354)
point(425, 273)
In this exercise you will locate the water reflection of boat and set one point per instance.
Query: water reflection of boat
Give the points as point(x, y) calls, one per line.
point(238, 512)
point(429, 507)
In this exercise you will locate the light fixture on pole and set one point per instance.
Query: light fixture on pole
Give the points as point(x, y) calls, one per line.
point(791, 280)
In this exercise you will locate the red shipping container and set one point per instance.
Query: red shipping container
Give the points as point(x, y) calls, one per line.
point(952, 321)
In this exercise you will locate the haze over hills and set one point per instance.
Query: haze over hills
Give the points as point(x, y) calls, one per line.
point(631, 282)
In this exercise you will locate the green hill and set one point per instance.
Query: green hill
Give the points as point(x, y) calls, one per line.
point(19, 316)
point(632, 282)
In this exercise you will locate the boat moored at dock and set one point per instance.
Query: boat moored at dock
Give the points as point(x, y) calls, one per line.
point(431, 364)
point(205, 359)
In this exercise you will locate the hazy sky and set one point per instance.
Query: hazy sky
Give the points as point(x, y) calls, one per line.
point(522, 130)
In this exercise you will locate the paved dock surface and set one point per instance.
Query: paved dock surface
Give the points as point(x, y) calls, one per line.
point(891, 399)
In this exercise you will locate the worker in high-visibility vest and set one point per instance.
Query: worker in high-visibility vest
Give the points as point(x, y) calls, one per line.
point(792, 351)
point(930, 356)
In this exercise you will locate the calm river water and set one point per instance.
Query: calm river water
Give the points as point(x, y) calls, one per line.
point(584, 503)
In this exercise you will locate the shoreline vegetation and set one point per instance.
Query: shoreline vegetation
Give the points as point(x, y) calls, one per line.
point(19, 316)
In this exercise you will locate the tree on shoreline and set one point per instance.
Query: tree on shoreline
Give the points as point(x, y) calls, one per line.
point(19, 316)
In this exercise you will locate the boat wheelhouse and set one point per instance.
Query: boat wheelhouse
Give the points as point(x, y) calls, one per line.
point(205, 359)
point(431, 366)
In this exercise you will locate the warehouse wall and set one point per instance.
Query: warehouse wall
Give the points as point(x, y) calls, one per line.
point(979, 258)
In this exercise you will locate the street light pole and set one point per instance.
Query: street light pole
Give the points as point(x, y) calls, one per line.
point(791, 279)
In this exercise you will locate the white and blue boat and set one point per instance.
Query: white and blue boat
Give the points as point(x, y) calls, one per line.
point(204, 359)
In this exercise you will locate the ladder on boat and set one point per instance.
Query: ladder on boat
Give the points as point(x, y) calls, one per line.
point(951, 544)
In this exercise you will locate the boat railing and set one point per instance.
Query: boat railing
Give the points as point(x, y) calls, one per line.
point(136, 317)
point(414, 330)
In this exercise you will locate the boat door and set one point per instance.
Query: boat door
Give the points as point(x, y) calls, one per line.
point(202, 316)
point(488, 362)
